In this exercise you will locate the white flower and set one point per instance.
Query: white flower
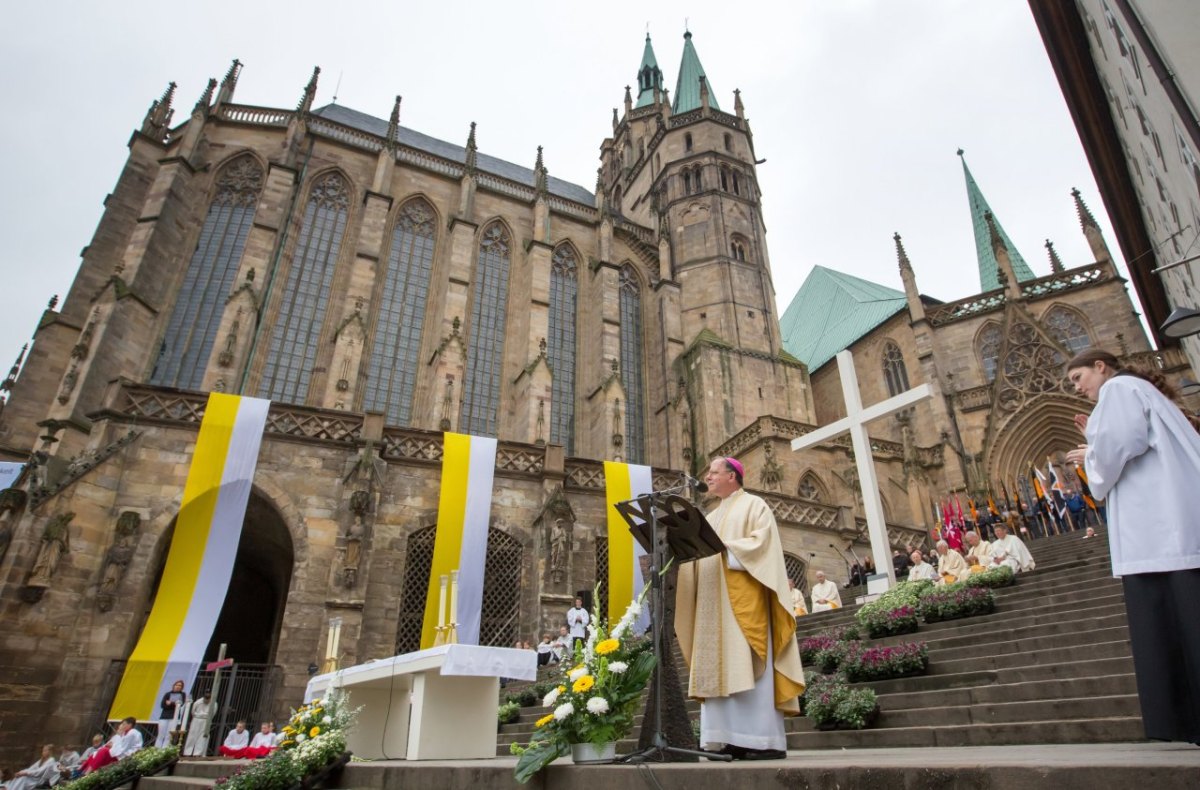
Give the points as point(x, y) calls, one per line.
point(551, 698)
point(576, 674)
point(301, 737)
point(597, 705)
point(563, 711)
point(327, 720)
point(617, 667)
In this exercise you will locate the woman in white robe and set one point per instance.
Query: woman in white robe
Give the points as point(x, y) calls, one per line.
point(199, 726)
point(40, 773)
point(1143, 456)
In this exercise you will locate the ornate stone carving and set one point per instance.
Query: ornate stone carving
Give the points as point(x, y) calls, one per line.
point(558, 521)
point(772, 472)
point(56, 541)
point(116, 562)
point(11, 502)
point(360, 507)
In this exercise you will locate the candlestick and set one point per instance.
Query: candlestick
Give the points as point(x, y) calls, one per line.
point(453, 635)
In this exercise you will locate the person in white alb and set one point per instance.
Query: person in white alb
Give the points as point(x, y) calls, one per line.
point(825, 595)
point(203, 711)
point(577, 620)
point(39, 773)
point(921, 570)
point(1010, 550)
point(263, 742)
point(236, 742)
point(124, 742)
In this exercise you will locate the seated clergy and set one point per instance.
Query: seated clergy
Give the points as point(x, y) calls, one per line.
point(124, 742)
point(41, 772)
point(236, 742)
point(545, 651)
point(798, 608)
point(951, 565)
point(263, 742)
point(68, 761)
point(979, 552)
point(825, 595)
point(921, 569)
point(564, 645)
point(1012, 550)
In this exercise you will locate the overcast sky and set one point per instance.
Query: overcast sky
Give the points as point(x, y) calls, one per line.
point(858, 107)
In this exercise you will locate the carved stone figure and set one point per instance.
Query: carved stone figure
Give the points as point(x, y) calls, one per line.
point(360, 506)
point(116, 562)
point(56, 541)
point(558, 545)
point(11, 501)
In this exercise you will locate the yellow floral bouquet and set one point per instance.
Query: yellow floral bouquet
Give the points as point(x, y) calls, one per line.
point(597, 697)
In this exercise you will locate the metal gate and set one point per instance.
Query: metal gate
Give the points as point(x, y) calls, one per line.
point(247, 692)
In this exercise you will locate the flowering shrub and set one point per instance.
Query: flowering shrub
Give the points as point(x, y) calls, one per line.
point(508, 713)
point(1000, 576)
point(812, 645)
point(956, 600)
point(594, 700)
point(832, 704)
point(861, 663)
point(525, 698)
point(894, 612)
point(143, 762)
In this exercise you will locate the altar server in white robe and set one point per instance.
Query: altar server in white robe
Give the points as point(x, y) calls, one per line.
point(1011, 550)
point(951, 565)
point(825, 595)
point(1143, 456)
point(41, 772)
point(199, 726)
point(736, 628)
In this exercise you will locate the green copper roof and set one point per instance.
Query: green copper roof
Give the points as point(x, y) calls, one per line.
point(988, 267)
point(831, 311)
point(687, 87)
point(649, 75)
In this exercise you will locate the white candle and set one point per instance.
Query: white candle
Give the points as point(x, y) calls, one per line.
point(187, 710)
point(454, 598)
point(442, 603)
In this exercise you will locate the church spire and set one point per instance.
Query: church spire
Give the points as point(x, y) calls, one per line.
point(393, 130)
point(310, 93)
point(1086, 220)
point(1056, 264)
point(10, 382)
point(541, 175)
point(229, 83)
point(687, 87)
point(205, 100)
point(472, 158)
point(649, 76)
point(916, 309)
point(984, 248)
point(1091, 230)
point(158, 117)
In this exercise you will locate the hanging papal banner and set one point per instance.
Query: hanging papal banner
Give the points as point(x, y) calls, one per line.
point(621, 482)
point(460, 542)
point(200, 559)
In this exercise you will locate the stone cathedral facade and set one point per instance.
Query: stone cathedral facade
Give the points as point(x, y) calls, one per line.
point(381, 286)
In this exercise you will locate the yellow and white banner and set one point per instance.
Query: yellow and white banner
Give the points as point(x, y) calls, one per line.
point(200, 560)
point(621, 482)
point(460, 542)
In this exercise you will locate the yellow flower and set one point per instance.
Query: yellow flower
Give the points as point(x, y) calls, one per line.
point(287, 743)
point(607, 646)
point(316, 711)
point(289, 730)
point(314, 732)
point(561, 689)
point(542, 722)
point(583, 684)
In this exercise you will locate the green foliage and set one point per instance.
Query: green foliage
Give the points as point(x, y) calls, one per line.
point(894, 612)
point(830, 702)
point(143, 762)
point(508, 713)
point(1000, 576)
point(952, 601)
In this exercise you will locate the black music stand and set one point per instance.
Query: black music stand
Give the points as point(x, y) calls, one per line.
point(687, 537)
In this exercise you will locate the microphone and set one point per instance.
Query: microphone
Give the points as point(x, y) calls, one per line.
point(699, 485)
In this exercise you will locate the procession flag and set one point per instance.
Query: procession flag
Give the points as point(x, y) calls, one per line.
point(460, 542)
point(621, 482)
point(200, 559)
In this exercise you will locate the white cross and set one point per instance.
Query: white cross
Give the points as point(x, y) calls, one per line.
point(855, 422)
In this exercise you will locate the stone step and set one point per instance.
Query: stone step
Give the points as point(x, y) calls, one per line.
point(1002, 645)
point(1119, 649)
point(1092, 686)
point(1085, 668)
point(1097, 730)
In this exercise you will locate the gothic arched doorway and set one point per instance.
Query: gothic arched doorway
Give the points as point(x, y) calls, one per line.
point(499, 624)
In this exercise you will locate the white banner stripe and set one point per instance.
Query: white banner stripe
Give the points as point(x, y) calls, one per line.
point(480, 478)
point(641, 481)
point(216, 569)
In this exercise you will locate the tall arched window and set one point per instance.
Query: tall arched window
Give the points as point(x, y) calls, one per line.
point(392, 367)
point(631, 364)
point(894, 372)
point(737, 190)
point(988, 346)
point(737, 248)
point(687, 141)
point(811, 488)
point(687, 182)
point(560, 346)
point(1068, 328)
point(297, 330)
point(724, 179)
point(210, 275)
point(485, 344)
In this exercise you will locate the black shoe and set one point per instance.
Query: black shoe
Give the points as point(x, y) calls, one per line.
point(762, 754)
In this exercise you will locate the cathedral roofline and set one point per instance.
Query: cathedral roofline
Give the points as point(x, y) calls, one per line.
point(989, 267)
point(687, 87)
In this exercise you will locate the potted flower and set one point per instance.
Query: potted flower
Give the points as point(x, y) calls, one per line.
point(956, 600)
point(594, 703)
point(832, 705)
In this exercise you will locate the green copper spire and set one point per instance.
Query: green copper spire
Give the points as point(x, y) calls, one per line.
point(988, 267)
point(649, 76)
point(687, 87)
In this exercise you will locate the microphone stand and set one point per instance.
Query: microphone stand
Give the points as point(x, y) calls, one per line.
point(842, 554)
point(660, 747)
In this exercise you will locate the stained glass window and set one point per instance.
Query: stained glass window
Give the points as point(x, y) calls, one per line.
point(191, 329)
point(560, 346)
point(989, 350)
point(296, 334)
point(485, 344)
point(894, 372)
point(1067, 328)
point(631, 364)
point(392, 368)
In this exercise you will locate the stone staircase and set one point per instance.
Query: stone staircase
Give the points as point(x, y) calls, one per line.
point(1052, 664)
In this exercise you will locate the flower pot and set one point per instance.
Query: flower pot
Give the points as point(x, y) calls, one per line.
point(593, 754)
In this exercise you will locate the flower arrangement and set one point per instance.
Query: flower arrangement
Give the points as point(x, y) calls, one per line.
point(894, 612)
point(999, 576)
point(595, 698)
point(143, 762)
point(861, 663)
point(832, 704)
point(812, 645)
point(953, 601)
point(315, 741)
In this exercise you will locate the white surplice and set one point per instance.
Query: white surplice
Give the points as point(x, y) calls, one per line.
point(826, 591)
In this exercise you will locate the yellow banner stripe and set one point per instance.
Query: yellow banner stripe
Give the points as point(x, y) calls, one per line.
point(144, 670)
point(447, 540)
point(617, 488)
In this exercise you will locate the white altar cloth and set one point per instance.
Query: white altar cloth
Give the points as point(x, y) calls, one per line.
point(435, 704)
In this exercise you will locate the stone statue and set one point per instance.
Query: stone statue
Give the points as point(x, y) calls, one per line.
point(116, 562)
point(11, 501)
point(56, 541)
point(558, 545)
point(360, 506)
